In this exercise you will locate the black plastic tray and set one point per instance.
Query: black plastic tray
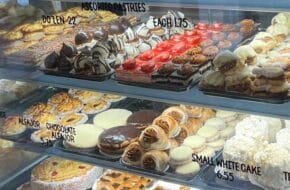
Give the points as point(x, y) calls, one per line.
point(237, 95)
point(98, 78)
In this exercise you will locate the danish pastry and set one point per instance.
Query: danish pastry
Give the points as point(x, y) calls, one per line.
point(168, 124)
point(153, 137)
point(133, 154)
point(32, 28)
point(177, 113)
point(155, 160)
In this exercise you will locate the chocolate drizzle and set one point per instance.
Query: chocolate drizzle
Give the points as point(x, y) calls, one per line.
point(82, 37)
point(68, 50)
point(101, 35)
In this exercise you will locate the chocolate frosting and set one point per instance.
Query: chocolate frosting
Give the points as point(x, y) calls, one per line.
point(82, 37)
point(99, 66)
point(51, 60)
point(82, 63)
point(143, 117)
point(166, 69)
point(101, 35)
point(115, 28)
point(124, 22)
point(68, 50)
point(65, 64)
point(186, 69)
point(118, 135)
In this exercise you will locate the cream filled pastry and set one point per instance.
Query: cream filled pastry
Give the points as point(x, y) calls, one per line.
point(246, 54)
point(196, 143)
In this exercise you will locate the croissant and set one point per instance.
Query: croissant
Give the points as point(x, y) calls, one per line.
point(177, 113)
point(153, 137)
point(155, 160)
point(168, 124)
point(184, 132)
point(133, 154)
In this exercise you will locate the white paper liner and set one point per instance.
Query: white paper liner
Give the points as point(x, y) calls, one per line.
point(36, 139)
point(116, 100)
point(76, 183)
point(25, 186)
point(98, 110)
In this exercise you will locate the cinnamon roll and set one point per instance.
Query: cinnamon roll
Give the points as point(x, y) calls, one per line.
point(155, 160)
point(168, 124)
point(153, 137)
point(184, 132)
point(177, 113)
point(133, 154)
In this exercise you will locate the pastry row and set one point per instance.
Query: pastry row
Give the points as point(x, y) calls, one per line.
point(57, 173)
point(62, 109)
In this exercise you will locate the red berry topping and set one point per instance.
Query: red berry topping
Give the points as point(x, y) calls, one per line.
point(129, 64)
point(178, 48)
point(189, 33)
point(202, 26)
point(163, 57)
point(178, 38)
point(147, 67)
point(54, 173)
point(147, 55)
point(163, 45)
point(193, 39)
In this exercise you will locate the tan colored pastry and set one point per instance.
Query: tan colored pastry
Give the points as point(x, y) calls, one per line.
point(85, 95)
point(34, 36)
point(53, 29)
point(193, 125)
point(32, 28)
point(73, 119)
point(44, 118)
point(155, 160)
point(72, 105)
point(184, 132)
point(59, 98)
point(207, 113)
point(29, 44)
point(13, 36)
point(42, 136)
point(3, 32)
point(168, 124)
point(192, 111)
point(133, 154)
point(12, 126)
point(177, 113)
point(38, 108)
point(153, 137)
point(95, 106)
point(49, 37)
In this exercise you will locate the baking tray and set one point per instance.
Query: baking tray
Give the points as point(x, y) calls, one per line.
point(22, 175)
point(209, 176)
point(237, 95)
point(98, 78)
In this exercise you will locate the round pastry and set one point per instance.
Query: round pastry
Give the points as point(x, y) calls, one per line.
point(82, 37)
point(224, 45)
point(198, 59)
point(259, 46)
point(42, 136)
point(234, 37)
point(96, 106)
point(113, 98)
point(208, 152)
point(56, 173)
point(207, 113)
point(209, 133)
point(73, 119)
point(228, 27)
point(206, 43)
point(188, 170)
point(155, 160)
point(142, 118)
point(72, 105)
point(85, 136)
point(84, 95)
point(44, 118)
point(37, 109)
point(133, 154)
point(168, 124)
point(192, 125)
point(183, 134)
point(210, 51)
point(196, 143)
point(218, 36)
point(6, 144)
point(113, 141)
point(227, 132)
point(12, 126)
point(217, 123)
point(112, 118)
point(192, 111)
point(217, 144)
point(177, 113)
point(180, 156)
point(194, 51)
point(226, 115)
point(153, 137)
point(59, 98)
point(246, 54)
point(225, 61)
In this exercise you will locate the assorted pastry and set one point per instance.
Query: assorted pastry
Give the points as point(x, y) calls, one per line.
point(12, 126)
point(25, 36)
point(260, 142)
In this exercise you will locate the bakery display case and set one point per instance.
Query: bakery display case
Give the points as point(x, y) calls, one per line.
point(144, 95)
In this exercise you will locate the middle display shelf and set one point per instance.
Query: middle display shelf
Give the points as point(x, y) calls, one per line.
point(192, 96)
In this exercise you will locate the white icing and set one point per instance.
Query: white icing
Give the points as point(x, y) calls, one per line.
point(283, 138)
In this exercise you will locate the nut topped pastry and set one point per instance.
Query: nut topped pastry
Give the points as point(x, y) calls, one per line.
point(177, 113)
point(37, 109)
point(70, 106)
point(96, 106)
point(133, 154)
point(155, 160)
point(59, 98)
point(168, 124)
point(12, 126)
